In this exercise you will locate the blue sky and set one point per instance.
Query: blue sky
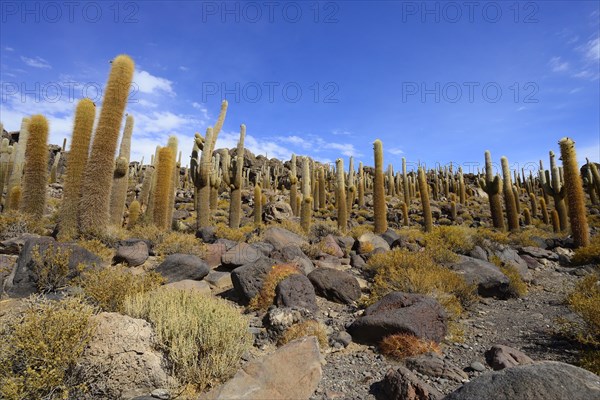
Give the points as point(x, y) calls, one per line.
point(437, 82)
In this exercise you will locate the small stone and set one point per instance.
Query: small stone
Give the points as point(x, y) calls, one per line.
point(162, 394)
point(477, 366)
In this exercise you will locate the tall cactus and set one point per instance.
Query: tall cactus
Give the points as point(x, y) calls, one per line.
point(491, 185)
point(574, 193)
point(361, 185)
point(509, 197)
point(424, 192)
point(552, 186)
point(173, 144)
point(201, 166)
point(16, 173)
point(379, 190)
point(293, 185)
point(340, 196)
point(164, 177)
point(322, 199)
point(351, 187)
point(98, 175)
point(5, 156)
point(257, 204)
point(593, 170)
point(405, 183)
point(35, 179)
point(78, 156)
point(234, 181)
point(306, 208)
point(120, 183)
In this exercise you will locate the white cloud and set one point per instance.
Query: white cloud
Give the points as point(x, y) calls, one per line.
point(265, 147)
point(395, 151)
point(558, 65)
point(346, 149)
point(36, 62)
point(591, 50)
point(148, 83)
point(9, 49)
point(340, 132)
point(183, 68)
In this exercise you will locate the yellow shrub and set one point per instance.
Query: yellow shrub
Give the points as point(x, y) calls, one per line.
point(204, 337)
point(589, 254)
point(237, 235)
point(265, 296)
point(98, 248)
point(14, 224)
point(359, 230)
point(108, 287)
point(585, 301)
point(590, 360)
point(176, 242)
point(524, 237)
point(51, 268)
point(492, 235)
point(39, 348)
point(401, 270)
point(458, 239)
point(516, 284)
point(403, 345)
point(306, 328)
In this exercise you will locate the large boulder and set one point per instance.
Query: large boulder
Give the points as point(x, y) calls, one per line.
point(548, 380)
point(296, 291)
point(121, 360)
point(402, 384)
point(335, 285)
point(241, 254)
point(25, 279)
point(369, 241)
point(434, 365)
point(133, 254)
point(400, 312)
point(490, 281)
point(178, 267)
point(281, 238)
point(277, 211)
point(248, 279)
point(292, 372)
point(509, 256)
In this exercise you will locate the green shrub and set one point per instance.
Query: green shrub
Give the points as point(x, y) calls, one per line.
point(204, 337)
point(108, 287)
point(39, 349)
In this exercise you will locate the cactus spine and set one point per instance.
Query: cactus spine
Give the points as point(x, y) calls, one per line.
point(342, 214)
point(574, 193)
point(379, 190)
point(164, 177)
point(235, 206)
point(509, 197)
point(78, 156)
point(120, 182)
point(306, 208)
point(36, 168)
point(96, 187)
point(424, 192)
point(491, 185)
point(201, 167)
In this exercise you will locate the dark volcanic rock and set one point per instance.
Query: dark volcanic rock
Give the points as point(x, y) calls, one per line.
point(177, 267)
point(334, 285)
point(400, 312)
point(296, 291)
point(248, 279)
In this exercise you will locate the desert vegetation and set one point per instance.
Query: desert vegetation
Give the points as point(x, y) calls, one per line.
point(238, 254)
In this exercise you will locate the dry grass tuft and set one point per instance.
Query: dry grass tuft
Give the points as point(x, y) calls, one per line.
point(265, 297)
point(306, 328)
point(589, 254)
point(240, 234)
point(98, 248)
point(403, 345)
point(516, 284)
